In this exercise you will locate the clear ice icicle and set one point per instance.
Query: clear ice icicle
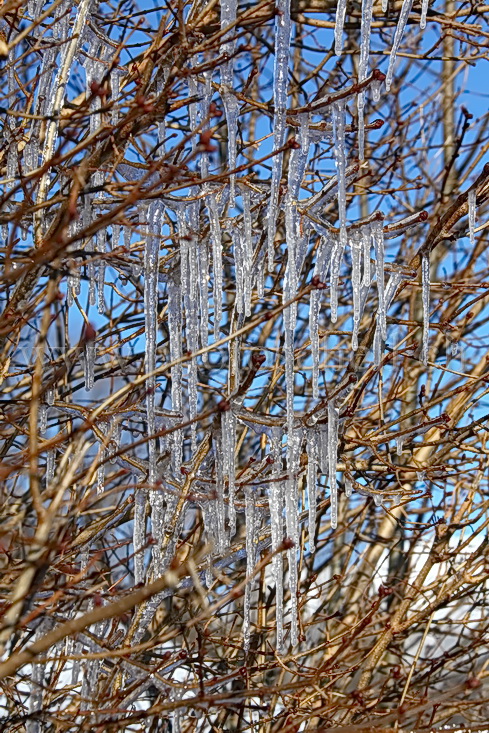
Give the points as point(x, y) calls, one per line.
point(356, 282)
point(312, 465)
point(401, 25)
point(90, 357)
point(251, 527)
point(425, 286)
point(424, 13)
point(229, 449)
point(333, 425)
point(175, 330)
point(231, 106)
point(338, 26)
point(471, 199)
point(294, 440)
point(362, 71)
point(280, 86)
point(338, 119)
point(139, 535)
point(348, 488)
point(276, 505)
point(215, 228)
point(378, 237)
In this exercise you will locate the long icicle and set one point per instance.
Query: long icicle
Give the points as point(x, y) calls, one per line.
point(401, 25)
point(280, 76)
point(425, 277)
point(367, 6)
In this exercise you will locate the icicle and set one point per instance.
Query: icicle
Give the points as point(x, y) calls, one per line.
point(90, 357)
point(356, 281)
point(312, 465)
point(362, 71)
point(378, 499)
point(421, 476)
point(399, 445)
point(247, 252)
point(375, 87)
point(215, 522)
point(175, 330)
point(294, 440)
point(251, 527)
point(365, 234)
point(203, 278)
point(333, 424)
point(338, 118)
point(215, 228)
point(424, 13)
point(348, 488)
point(276, 503)
point(314, 309)
point(229, 450)
point(151, 264)
point(338, 28)
point(471, 198)
point(50, 467)
point(280, 77)
point(378, 237)
point(385, 5)
point(425, 274)
point(101, 270)
point(231, 105)
point(139, 535)
point(401, 24)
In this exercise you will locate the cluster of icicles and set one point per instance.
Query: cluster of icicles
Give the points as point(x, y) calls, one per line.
point(188, 298)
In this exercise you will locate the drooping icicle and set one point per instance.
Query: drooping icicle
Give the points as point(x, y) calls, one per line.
point(348, 488)
point(247, 252)
point(139, 535)
point(424, 13)
point(362, 71)
point(175, 330)
point(323, 262)
point(378, 237)
point(399, 445)
point(101, 474)
point(251, 541)
point(229, 449)
point(338, 119)
point(356, 282)
point(365, 235)
point(276, 504)
point(231, 105)
point(294, 440)
point(378, 499)
point(101, 271)
point(151, 264)
point(471, 198)
point(215, 228)
point(215, 520)
point(375, 87)
point(401, 25)
point(338, 27)
point(280, 81)
point(90, 358)
point(333, 425)
point(312, 465)
point(425, 277)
